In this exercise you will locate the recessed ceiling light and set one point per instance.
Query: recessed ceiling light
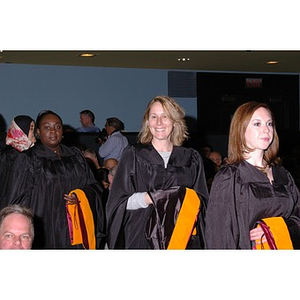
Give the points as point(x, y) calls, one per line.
point(183, 59)
point(87, 55)
point(272, 62)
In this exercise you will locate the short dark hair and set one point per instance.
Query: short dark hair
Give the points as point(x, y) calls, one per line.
point(89, 113)
point(116, 123)
point(45, 113)
point(18, 209)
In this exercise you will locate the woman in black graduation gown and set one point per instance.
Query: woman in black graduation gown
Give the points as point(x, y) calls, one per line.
point(252, 186)
point(20, 137)
point(157, 169)
point(45, 175)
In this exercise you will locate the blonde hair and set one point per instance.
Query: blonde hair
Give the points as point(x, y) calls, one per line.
point(237, 142)
point(174, 112)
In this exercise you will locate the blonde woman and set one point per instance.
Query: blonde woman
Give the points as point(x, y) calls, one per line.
point(156, 169)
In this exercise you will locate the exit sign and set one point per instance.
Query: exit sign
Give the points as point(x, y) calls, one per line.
point(254, 83)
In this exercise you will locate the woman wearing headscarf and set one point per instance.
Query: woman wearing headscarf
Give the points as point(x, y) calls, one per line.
point(20, 137)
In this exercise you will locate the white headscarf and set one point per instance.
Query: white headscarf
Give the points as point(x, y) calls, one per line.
point(17, 138)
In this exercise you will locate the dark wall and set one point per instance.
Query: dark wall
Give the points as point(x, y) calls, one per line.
point(219, 95)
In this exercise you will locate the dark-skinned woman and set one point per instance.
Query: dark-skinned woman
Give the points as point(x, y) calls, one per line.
point(50, 179)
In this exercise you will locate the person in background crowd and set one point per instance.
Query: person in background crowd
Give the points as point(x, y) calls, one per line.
point(216, 157)
point(92, 159)
point(48, 179)
point(87, 119)
point(103, 178)
point(116, 142)
point(110, 163)
point(205, 150)
point(20, 137)
point(16, 228)
point(111, 175)
point(209, 166)
point(156, 170)
point(252, 185)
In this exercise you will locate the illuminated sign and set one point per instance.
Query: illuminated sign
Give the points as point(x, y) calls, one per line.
point(254, 83)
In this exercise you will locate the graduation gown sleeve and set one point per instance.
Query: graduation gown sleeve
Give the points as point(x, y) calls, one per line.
point(221, 221)
point(293, 221)
point(8, 156)
point(124, 185)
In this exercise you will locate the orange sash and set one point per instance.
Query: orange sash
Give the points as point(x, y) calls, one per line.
point(186, 220)
point(81, 221)
point(279, 232)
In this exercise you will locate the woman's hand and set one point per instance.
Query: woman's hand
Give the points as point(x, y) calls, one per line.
point(257, 234)
point(148, 199)
point(71, 200)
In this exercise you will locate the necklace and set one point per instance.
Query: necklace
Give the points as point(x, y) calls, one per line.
point(56, 152)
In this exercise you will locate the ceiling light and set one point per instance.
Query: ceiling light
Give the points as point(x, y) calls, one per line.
point(272, 62)
point(183, 59)
point(87, 55)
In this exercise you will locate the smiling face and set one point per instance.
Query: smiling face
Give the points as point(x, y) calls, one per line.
point(50, 131)
point(259, 133)
point(15, 232)
point(160, 124)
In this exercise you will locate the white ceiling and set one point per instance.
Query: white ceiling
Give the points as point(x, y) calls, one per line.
point(239, 61)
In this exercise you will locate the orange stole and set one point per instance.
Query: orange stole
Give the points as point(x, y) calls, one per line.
point(280, 234)
point(185, 221)
point(82, 229)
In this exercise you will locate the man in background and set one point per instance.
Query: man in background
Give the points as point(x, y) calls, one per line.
point(115, 143)
point(87, 119)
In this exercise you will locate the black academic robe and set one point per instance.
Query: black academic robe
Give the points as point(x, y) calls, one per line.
point(141, 169)
point(240, 196)
point(40, 179)
point(2, 140)
point(8, 156)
